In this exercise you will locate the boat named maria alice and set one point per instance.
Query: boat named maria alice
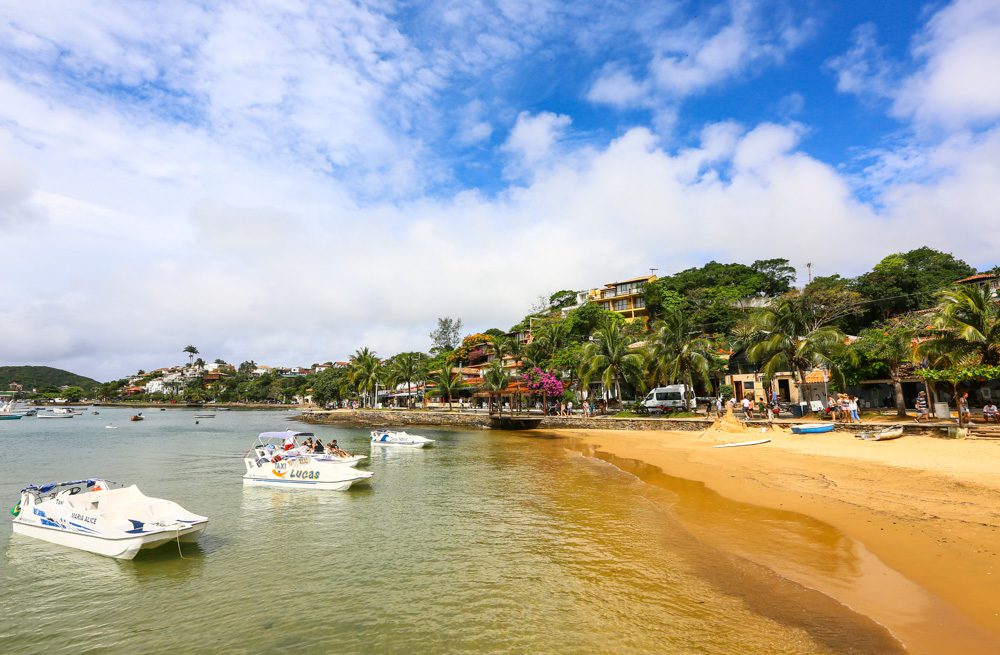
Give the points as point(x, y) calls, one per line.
point(104, 518)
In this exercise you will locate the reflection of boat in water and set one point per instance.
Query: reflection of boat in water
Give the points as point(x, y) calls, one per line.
point(94, 516)
point(812, 428)
point(270, 464)
point(398, 438)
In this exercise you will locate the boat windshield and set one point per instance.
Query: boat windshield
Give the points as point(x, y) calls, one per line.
point(52, 489)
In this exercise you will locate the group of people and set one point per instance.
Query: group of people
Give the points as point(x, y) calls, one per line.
point(752, 407)
point(843, 407)
point(310, 447)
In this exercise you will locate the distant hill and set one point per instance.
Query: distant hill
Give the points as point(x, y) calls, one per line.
point(38, 377)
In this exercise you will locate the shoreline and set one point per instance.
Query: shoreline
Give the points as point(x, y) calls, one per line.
point(904, 531)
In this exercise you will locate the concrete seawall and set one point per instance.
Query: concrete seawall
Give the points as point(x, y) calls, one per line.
point(394, 418)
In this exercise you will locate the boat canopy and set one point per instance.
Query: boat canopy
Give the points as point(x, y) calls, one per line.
point(46, 488)
point(283, 435)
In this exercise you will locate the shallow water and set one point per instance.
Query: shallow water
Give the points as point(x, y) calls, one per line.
point(485, 542)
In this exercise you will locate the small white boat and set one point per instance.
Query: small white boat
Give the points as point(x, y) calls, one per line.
point(51, 413)
point(204, 415)
point(885, 434)
point(278, 460)
point(398, 438)
point(742, 443)
point(110, 427)
point(100, 517)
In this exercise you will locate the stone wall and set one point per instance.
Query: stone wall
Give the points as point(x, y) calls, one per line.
point(382, 418)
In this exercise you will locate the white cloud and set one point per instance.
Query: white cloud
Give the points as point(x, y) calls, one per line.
point(534, 137)
point(960, 55)
point(863, 69)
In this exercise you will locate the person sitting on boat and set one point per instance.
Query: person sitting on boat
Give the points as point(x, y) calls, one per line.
point(318, 447)
point(334, 449)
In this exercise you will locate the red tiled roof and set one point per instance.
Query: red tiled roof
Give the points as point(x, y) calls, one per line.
point(977, 278)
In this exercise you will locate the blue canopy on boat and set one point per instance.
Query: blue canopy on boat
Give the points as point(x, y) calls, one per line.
point(45, 488)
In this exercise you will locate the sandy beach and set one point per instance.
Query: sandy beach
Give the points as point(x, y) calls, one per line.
point(902, 531)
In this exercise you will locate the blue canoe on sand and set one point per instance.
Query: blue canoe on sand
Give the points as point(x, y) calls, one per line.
point(812, 428)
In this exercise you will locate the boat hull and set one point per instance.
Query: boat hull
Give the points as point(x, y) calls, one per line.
point(317, 485)
point(304, 473)
point(9, 417)
point(118, 548)
point(812, 429)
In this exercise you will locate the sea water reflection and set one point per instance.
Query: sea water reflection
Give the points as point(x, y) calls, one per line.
point(485, 542)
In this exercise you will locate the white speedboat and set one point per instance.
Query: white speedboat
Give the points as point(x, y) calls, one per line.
point(101, 517)
point(396, 438)
point(54, 413)
point(278, 460)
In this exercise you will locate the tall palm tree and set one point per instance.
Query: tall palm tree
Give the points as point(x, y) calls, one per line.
point(609, 357)
point(364, 372)
point(447, 383)
point(678, 352)
point(408, 368)
point(968, 319)
point(788, 342)
point(495, 381)
point(191, 352)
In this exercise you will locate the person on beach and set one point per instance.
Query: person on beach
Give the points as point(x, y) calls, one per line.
point(569, 408)
point(990, 412)
point(831, 407)
point(747, 408)
point(718, 407)
point(963, 403)
point(922, 407)
point(852, 407)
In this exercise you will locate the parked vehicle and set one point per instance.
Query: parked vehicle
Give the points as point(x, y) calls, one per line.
point(671, 398)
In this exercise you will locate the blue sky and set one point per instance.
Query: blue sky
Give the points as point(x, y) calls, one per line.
point(175, 171)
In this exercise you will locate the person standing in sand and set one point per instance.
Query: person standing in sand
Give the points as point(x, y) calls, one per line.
point(963, 403)
point(922, 407)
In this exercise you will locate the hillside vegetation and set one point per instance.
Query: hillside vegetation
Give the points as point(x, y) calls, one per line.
point(40, 377)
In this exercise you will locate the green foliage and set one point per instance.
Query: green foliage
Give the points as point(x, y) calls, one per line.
point(561, 299)
point(588, 318)
point(38, 377)
point(907, 281)
point(445, 335)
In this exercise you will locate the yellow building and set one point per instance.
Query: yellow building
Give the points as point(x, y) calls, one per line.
point(624, 297)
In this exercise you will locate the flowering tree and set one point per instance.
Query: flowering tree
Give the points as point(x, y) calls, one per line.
point(547, 383)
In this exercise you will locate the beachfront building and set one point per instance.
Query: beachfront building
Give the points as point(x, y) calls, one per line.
point(746, 380)
point(989, 281)
point(624, 297)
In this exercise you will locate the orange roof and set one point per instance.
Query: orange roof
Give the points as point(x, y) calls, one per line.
point(977, 278)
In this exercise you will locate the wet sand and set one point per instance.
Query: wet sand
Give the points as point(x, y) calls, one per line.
point(905, 532)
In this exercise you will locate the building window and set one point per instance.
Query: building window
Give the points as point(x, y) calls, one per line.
point(621, 305)
point(640, 303)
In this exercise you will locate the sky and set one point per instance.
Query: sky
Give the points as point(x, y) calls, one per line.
point(287, 180)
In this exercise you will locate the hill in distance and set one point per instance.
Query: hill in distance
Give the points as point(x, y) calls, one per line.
point(39, 377)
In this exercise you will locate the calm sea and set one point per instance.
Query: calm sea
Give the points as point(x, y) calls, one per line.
point(487, 542)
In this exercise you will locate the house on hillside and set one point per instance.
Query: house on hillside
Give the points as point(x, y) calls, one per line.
point(624, 297)
point(990, 281)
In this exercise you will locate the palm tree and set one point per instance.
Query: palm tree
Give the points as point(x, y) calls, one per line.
point(678, 352)
point(609, 357)
point(364, 372)
point(199, 363)
point(447, 384)
point(408, 368)
point(191, 352)
point(788, 342)
point(894, 347)
point(495, 381)
point(969, 320)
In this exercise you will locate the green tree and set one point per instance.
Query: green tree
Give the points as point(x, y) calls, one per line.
point(892, 346)
point(679, 353)
point(191, 352)
point(609, 358)
point(560, 299)
point(364, 373)
point(495, 381)
point(73, 394)
point(409, 367)
point(447, 384)
point(790, 342)
point(446, 335)
point(968, 320)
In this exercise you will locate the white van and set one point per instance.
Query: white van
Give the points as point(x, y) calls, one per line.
point(670, 398)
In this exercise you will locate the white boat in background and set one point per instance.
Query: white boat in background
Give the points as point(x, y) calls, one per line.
point(51, 413)
point(278, 460)
point(204, 415)
point(398, 438)
point(100, 517)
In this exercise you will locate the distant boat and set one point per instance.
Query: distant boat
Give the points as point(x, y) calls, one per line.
point(137, 417)
point(9, 417)
point(394, 438)
point(51, 414)
point(885, 434)
point(110, 427)
point(204, 415)
point(741, 443)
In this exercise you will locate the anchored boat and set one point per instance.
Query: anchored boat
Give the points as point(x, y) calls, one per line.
point(277, 459)
point(100, 517)
point(394, 438)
